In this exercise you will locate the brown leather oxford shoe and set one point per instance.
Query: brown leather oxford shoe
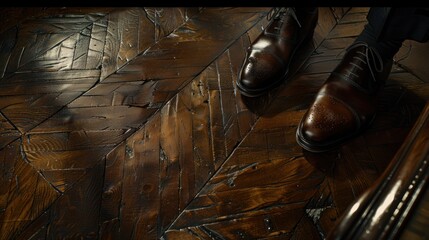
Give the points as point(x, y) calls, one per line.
point(268, 58)
point(346, 103)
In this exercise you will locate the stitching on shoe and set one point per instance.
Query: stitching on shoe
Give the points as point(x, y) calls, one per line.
point(351, 82)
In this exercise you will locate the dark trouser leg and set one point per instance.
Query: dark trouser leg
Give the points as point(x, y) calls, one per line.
point(307, 10)
point(303, 13)
point(387, 28)
point(386, 48)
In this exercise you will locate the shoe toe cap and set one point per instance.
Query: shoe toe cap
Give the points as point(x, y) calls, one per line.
point(260, 72)
point(326, 121)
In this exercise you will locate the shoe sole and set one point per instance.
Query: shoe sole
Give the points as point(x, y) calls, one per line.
point(320, 148)
point(261, 91)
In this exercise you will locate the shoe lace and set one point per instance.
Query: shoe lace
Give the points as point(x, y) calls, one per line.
point(370, 57)
point(278, 12)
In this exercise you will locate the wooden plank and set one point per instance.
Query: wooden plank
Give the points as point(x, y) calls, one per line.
point(80, 54)
point(132, 31)
point(27, 111)
point(411, 57)
point(112, 193)
point(27, 100)
point(58, 58)
point(201, 134)
point(96, 44)
point(170, 159)
point(109, 229)
point(179, 148)
point(321, 64)
point(235, 183)
point(347, 30)
point(37, 37)
point(254, 32)
point(359, 10)
point(75, 140)
point(37, 229)
point(261, 226)
point(142, 184)
point(227, 98)
point(216, 126)
point(8, 41)
point(185, 140)
point(165, 20)
point(95, 119)
point(129, 32)
point(321, 210)
point(339, 12)
point(305, 229)
point(82, 202)
point(326, 21)
point(354, 17)
point(27, 193)
point(61, 154)
point(65, 115)
point(237, 53)
point(45, 78)
point(8, 132)
point(12, 16)
point(63, 179)
point(71, 159)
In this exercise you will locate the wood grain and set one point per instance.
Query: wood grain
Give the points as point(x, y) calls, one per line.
point(25, 195)
point(125, 123)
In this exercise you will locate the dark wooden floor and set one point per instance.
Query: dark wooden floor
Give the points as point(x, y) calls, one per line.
point(126, 124)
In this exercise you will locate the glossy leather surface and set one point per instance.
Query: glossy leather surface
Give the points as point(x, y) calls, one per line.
point(383, 210)
point(346, 103)
point(268, 58)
